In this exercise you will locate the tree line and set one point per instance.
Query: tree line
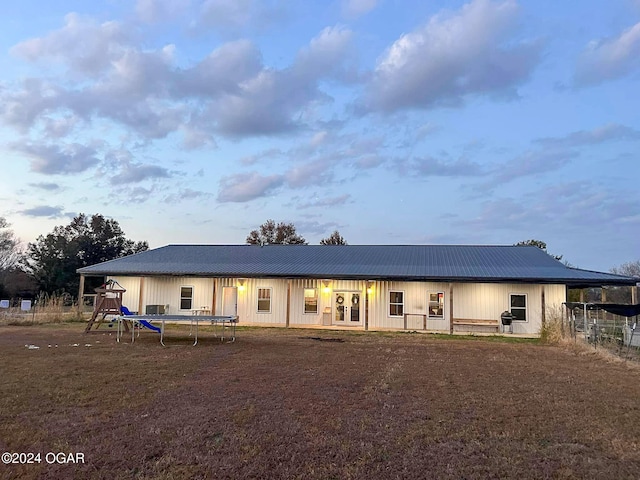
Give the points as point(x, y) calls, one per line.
point(49, 264)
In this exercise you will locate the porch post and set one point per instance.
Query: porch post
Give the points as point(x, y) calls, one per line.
point(451, 308)
point(141, 296)
point(81, 294)
point(213, 299)
point(288, 302)
point(544, 308)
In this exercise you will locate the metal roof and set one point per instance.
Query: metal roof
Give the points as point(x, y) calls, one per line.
point(466, 263)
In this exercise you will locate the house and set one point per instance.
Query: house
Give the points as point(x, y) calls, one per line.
point(439, 288)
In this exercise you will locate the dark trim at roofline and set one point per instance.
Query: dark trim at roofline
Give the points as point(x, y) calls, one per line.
point(573, 283)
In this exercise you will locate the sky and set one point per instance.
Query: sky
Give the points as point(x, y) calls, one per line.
point(394, 122)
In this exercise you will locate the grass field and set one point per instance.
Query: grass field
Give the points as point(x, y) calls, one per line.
point(312, 404)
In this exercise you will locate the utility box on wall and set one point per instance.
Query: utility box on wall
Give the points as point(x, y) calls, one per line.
point(155, 310)
point(326, 316)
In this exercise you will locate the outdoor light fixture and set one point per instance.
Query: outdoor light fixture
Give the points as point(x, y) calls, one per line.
point(241, 284)
point(369, 287)
point(325, 287)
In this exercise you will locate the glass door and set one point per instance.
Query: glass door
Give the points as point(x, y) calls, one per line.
point(346, 307)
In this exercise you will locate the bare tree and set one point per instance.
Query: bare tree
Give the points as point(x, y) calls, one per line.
point(334, 239)
point(9, 246)
point(623, 294)
point(269, 233)
point(630, 269)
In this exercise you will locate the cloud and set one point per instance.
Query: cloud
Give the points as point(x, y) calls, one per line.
point(48, 186)
point(453, 56)
point(153, 11)
point(243, 187)
point(608, 59)
point(580, 138)
point(556, 207)
point(83, 44)
point(316, 172)
point(230, 92)
point(357, 8)
point(326, 54)
point(253, 159)
point(45, 211)
point(532, 163)
point(23, 106)
point(59, 159)
point(315, 227)
point(222, 71)
point(232, 17)
point(278, 101)
point(326, 202)
point(128, 194)
point(428, 166)
point(59, 127)
point(131, 173)
point(186, 194)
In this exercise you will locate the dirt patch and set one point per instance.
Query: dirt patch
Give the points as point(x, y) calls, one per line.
point(323, 339)
point(277, 405)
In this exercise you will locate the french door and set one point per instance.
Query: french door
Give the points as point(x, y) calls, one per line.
point(346, 308)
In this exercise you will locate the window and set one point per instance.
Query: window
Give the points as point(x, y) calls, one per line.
point(396, 304)
point(310, 300)
point(186, 298)
point(264, 300)
point(436, 305)
point(518, 303)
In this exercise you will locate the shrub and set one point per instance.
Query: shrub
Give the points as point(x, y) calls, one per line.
point(553, 330)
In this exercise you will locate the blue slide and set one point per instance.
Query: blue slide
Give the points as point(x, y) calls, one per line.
point(125, 311)
point(148, 325)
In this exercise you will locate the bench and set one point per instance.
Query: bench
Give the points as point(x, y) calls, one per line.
point(474, 322)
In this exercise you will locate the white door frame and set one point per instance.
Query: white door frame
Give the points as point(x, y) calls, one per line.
point(230, 301)
point(348, 296)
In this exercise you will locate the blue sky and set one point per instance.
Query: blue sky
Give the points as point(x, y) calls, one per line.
point(395, 122)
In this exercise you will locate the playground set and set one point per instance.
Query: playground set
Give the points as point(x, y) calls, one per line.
point(109, 302)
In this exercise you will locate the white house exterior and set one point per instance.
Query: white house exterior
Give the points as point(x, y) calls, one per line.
point(416, 287)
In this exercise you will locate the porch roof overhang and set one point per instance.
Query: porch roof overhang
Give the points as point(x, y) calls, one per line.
point(437, 263)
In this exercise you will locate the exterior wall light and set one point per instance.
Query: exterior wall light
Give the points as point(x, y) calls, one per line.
point(325, 286)
point(241, 285)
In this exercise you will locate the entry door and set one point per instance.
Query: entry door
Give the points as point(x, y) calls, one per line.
point(229, 301)
point(346, 307)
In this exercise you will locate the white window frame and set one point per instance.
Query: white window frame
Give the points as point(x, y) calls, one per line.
point(190, 298)
point(525, 308)
point(258, 299)
point(430, 315)
point(396, 303)
point(304, 301)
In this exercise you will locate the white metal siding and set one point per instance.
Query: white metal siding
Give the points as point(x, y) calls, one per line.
point(416, 303)
point(166, 291)
point(131, 297)
point(298, 317)
point(248, 302)
point(487, 301)
point(471, 300)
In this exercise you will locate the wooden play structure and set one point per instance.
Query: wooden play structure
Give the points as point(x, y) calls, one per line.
point(108, 302)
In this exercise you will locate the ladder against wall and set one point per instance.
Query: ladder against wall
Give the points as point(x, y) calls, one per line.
point(108, 302)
